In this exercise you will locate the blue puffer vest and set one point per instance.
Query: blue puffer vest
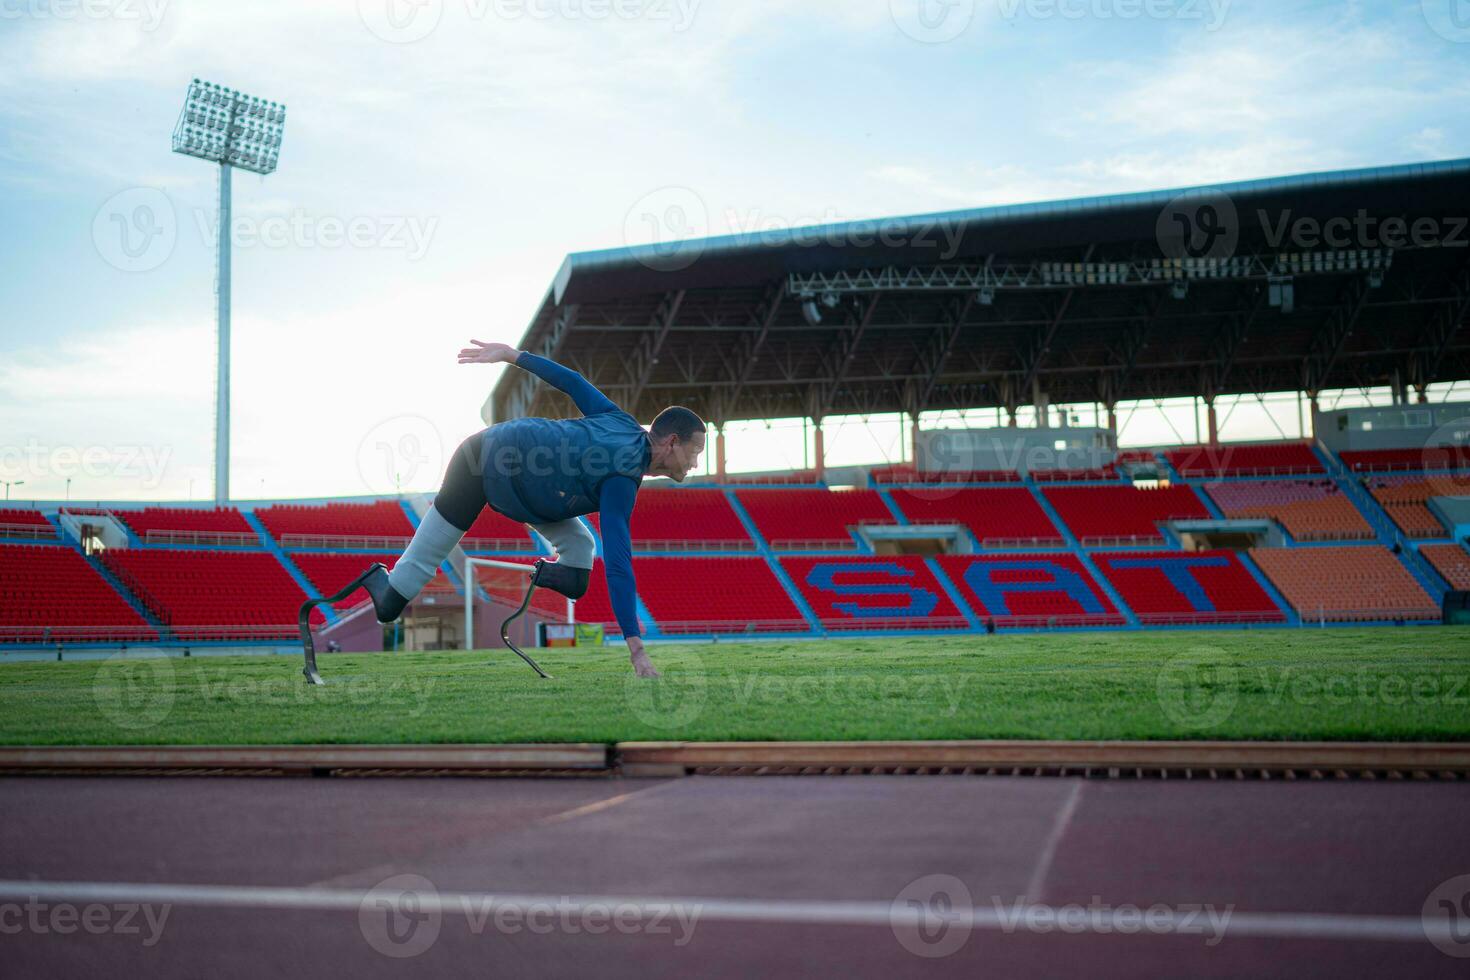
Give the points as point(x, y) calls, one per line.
point(540, 471)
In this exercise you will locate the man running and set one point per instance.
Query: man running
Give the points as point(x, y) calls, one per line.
point(547, 473)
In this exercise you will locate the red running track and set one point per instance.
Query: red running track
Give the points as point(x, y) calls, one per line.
point(842, 847)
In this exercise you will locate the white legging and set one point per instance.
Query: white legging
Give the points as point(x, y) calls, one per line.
point(574, 544)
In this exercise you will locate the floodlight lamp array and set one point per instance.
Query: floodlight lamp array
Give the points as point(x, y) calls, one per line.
point(227, 126)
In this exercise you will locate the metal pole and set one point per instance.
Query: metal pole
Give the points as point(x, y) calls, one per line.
point(469, 605)
point(222, 380)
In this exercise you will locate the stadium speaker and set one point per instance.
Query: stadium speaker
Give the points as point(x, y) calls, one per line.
point(1456, 609)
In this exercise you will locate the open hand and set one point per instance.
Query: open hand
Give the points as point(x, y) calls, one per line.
point(483, 353)
point(642, 666)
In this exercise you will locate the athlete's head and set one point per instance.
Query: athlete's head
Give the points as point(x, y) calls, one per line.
point(677, 436)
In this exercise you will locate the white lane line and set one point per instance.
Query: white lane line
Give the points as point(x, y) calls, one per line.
point(1053, 840)
point(1003, 916)
point(561, 816)
point(599, 805)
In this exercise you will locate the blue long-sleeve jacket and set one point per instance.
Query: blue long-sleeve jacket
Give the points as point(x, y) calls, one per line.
point(542, 471)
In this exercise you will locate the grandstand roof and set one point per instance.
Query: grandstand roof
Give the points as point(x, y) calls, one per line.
point(1090, 299)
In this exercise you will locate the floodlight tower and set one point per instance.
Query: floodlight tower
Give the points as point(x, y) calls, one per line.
point(232, 129)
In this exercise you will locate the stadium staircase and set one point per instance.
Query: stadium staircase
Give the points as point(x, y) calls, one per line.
point(763, 548)
point(113, 581)
point(270, 544)
point(1075, 546)
point(1385, 530)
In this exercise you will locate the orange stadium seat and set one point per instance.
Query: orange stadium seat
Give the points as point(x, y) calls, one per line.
point(1345, 583)
point(1309, 510)
point(1406, 500)
point(1452, 562)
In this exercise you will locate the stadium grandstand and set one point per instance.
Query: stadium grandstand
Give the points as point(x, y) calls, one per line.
point(1025, 311)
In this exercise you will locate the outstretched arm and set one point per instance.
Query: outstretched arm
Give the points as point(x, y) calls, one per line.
point(616, 504)
point(589, 400)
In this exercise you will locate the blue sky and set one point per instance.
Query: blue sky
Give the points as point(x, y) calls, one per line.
point(468, 145)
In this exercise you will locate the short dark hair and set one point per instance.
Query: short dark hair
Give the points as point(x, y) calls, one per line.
point(679, 421)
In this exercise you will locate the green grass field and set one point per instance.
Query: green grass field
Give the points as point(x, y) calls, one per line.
point(1392, 684)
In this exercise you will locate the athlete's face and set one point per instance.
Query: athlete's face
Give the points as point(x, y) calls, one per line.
point(683, 455)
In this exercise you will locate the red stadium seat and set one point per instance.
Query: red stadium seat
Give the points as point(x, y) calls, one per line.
point(813, 519)
point(681, 596)
point(337, 524)
point(873, 592)
point(201, 594)
point(1276, 459)
point(686, 519)
point(1406, 460)
point(1001, 516)
point(51, 594)
point(1123, 514)
point(182, 525)
point(330, 572)
point(1031, 590)
point(1176, 587)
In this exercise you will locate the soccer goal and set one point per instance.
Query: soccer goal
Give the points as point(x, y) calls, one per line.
point(494, 589)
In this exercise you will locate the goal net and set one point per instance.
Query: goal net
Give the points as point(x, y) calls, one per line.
point(499, 589)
